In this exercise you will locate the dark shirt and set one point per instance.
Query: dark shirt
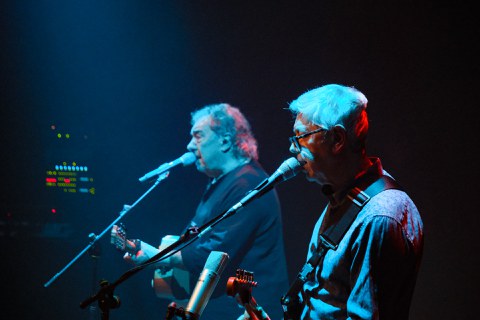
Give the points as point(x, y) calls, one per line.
point(252, 237)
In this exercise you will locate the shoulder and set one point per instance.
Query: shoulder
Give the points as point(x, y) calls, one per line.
point(239, 181)
point(249, 175)
point(393, 210)
point(392, 203)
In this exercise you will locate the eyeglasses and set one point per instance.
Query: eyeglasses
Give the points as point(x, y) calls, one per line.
point(295, 142)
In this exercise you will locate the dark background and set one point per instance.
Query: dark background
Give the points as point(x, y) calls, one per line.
point(122, 78)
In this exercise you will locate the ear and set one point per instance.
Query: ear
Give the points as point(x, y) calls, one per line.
point(226, 143)
point(338, 139)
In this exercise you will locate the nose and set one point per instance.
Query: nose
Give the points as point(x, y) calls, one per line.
point(191, 146)
point(292, 149)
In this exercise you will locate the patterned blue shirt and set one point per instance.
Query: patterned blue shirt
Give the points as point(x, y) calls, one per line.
point(372, 273)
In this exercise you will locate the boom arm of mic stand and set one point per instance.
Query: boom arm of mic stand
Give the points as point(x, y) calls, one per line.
point(106, 290)
point(107, 229)
point(187, 238)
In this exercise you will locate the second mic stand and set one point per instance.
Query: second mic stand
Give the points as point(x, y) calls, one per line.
point(289, 169)
point(94, 253)
point(105, 295)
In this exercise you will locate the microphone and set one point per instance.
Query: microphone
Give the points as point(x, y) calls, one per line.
point(206, 284)
point(288, 169)
point(187, 159)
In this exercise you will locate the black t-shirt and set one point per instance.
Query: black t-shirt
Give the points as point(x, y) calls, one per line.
point(252, 237)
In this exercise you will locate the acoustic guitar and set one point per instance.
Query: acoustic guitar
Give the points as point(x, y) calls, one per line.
point(168, 283)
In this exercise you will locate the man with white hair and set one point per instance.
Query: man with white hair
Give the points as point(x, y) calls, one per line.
point(369, 270)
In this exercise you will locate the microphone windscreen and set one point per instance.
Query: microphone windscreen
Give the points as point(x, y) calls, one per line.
point(216, 261)
point(188, 158)
point(206, 283)
point(290, 167)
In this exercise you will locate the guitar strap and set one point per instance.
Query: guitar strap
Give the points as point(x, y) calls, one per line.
point(329, 239)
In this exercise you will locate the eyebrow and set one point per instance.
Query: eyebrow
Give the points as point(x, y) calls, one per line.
point(197, 131)
point(298, 127)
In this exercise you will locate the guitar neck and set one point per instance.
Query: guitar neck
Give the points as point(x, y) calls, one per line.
point(130, 246)
point(252, 309)
point(118, 237)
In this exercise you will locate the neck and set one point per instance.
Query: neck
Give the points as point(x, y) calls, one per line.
point(348, 173)
point(230, 164)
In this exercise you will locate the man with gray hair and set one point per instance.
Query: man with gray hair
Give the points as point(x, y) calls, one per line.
point(368, 271)
point(226, 152)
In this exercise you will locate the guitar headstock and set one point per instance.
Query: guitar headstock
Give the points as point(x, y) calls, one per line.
point(241, 285)
point(118, 237)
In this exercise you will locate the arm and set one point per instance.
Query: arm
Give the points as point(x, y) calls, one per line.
point(137, 251)
point(147, 251)
point(381, 268)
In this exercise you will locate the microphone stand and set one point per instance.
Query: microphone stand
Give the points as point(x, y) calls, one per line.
point(94, 253)
point(95, 238)
point(105, 296)
point(106, 291)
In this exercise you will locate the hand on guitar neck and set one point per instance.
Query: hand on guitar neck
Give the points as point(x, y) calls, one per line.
point(136, 251)
point(240, 287)
point(170, 280)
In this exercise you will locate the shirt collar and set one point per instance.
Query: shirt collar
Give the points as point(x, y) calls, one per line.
point(373, 172)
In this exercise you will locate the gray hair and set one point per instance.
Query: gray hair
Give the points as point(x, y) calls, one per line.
point(226, 119)
point(336, 105)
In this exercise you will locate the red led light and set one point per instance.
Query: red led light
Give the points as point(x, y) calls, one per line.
point(54, 210)
point(51, 180)
point(66, 180)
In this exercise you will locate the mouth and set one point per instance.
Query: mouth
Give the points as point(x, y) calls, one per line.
point(303, 162)
point(199, 161)
point(301, 159)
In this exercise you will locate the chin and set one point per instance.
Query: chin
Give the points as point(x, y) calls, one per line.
point(311, 178)
point(200, 168)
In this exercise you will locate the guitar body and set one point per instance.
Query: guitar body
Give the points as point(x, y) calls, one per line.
point(168, 283)
point(174, 282)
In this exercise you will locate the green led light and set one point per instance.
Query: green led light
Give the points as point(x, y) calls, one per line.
point(59, 135)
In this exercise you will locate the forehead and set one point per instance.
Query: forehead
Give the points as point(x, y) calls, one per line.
point(302, 124)
point(201, 125)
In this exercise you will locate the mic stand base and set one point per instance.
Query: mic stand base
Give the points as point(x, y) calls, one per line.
point(106, 299)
